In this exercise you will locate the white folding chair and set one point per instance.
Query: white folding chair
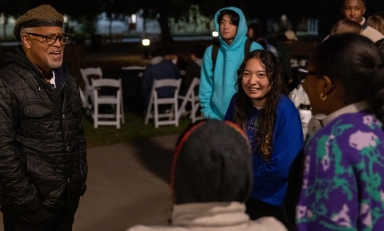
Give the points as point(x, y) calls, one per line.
point(116, 100)
point(139, 69)
point(88, 90)
point(192, 98)
point(154, 102)
point(84, 102)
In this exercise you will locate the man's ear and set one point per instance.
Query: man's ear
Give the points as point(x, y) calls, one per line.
point(25, 41)
point(364, 9)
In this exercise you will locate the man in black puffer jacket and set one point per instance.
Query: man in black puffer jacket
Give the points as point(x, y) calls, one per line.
point(43, 164)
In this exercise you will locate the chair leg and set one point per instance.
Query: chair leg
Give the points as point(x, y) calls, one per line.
point(122, 110)
point(156, 109)
point(183, 105)
point(149, 107)
point(118, 115)
point(177, 116)
point(95, 115)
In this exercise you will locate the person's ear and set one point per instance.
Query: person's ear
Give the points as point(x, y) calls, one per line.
point(326, 85)
point(25, 40)
point(364, 9)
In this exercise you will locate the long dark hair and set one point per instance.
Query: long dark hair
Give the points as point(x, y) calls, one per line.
point(355, 62)
point(244, 104)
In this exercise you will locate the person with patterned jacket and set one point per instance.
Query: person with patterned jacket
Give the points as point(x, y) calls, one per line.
point(343, 186)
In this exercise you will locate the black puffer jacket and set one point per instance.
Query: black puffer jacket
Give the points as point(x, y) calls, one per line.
point(42, 145)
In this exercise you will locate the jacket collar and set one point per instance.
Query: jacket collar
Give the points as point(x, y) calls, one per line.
point(351, 108)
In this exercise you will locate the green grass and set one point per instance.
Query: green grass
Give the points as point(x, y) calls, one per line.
point(134, 128)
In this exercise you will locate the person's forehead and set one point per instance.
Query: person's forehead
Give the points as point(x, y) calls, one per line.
point(352, 3)
point(226, 17)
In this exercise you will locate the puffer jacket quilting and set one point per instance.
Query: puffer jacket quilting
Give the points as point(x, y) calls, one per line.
point(42, 144)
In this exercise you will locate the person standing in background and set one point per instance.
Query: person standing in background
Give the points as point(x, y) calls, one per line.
point(171, 55)
point(218, 77)
point(354, 10)
point(193, 68)
point(376, 22)
point(43, 165)
point(159, 68)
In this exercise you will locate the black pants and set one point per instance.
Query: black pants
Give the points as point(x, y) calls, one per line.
point(256, 209)
point(63, 222)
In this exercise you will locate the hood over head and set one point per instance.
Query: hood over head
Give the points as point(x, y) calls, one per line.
point(212, 163)
point(242, 28)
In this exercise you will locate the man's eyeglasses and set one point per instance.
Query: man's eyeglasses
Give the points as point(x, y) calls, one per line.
point(302, 74)
point(51, 39)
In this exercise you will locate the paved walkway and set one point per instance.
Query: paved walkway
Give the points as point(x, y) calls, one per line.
point(127, 184)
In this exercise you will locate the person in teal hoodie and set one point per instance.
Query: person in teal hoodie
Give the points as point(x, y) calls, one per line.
point(217, 84)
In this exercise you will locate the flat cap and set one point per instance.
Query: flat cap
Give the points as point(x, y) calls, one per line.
point(44, 15)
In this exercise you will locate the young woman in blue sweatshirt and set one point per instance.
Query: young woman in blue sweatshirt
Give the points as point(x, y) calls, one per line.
point(273, 126)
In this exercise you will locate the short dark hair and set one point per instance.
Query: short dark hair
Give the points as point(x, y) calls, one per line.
point(157, 52)
point(198, 50)
point(212, 163)
point(235, 18)
point(343, 1)
point(169, 50)
point(258, 30)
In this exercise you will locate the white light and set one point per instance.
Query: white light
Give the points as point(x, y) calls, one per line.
point(145, 42)
point(65, 18)
point(215, 34)
point(133, 18)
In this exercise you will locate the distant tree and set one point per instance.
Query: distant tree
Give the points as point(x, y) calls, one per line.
point(162, 10)
point(12, 8)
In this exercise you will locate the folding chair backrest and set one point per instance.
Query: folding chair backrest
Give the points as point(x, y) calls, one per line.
point(115, 99)
point(154, 102)
point(166, 83)
point(106, 83)
point(85, 72)
point(194, 84)
point(133, 68)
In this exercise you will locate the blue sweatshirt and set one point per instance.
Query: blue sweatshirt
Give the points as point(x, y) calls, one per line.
point(270, 177)
point(217, 87)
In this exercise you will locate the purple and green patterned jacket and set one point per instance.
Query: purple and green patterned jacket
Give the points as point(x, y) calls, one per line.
point(343, 187)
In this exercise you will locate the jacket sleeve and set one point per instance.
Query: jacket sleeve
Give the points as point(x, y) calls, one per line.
point(83, 149)
point(286, 146)
point(206, 84)
point(17, 193)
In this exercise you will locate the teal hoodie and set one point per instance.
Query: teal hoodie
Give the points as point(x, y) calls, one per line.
point(218, 87)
